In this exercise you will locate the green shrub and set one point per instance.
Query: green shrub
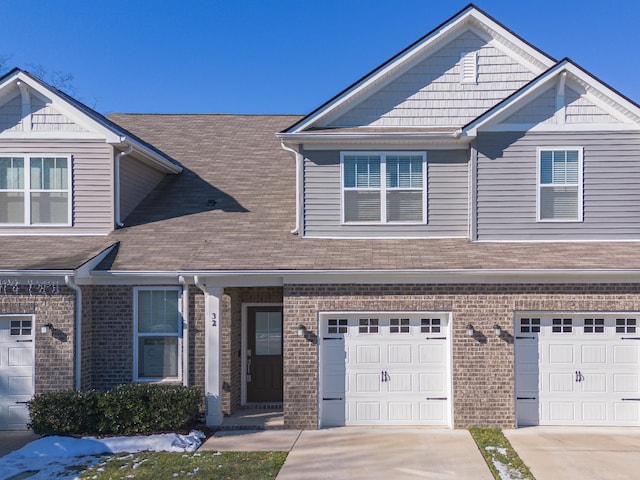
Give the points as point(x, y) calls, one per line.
point(63, 413)
point(126, 409)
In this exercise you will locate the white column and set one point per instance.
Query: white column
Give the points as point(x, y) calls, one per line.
point(212, 383)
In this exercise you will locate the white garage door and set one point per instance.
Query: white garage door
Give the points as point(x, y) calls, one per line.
point(16, 370)
point(578, 369)
point(385, 369)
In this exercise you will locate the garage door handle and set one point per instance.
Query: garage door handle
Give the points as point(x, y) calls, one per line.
point(631, 399)
point(520, 338)
point(24, 341)
point(525, 398)
point(331, 398)
point(630, 338)
point(22, 403)
point(436, 398)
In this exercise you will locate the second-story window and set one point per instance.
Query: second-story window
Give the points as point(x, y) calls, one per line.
point(560, 184)
point(383, 187)
point(35, 190)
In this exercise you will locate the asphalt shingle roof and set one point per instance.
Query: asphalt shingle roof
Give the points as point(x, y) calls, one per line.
point(233, 208)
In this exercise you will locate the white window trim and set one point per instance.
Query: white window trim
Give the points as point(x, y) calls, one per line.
point(179, 335)
point(27, 189)
point(580, 184)
point(383, 186)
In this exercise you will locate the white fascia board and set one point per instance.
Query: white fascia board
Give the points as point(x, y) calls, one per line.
point(149, 155)
point(241, 278)
point(34, 274)
point(370, 137)
point(567, 127)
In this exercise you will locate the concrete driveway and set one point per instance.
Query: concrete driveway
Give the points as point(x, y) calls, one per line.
point(14, 440)
point(579, 452)
point(351, 452)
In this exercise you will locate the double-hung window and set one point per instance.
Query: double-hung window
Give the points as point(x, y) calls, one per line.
point(560, 184)
point(35, 190)
point(383, 187)
point(158, 334)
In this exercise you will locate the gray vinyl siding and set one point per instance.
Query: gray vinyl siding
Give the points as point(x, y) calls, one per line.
point(432, 94)
point(136, 181)
point(447, 198)
point(506, 186)
point(92, 183)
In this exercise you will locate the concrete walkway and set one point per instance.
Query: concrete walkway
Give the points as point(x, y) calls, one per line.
point(351, 452)
point(587, 453)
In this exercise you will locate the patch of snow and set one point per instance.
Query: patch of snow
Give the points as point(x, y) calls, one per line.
point(505, 472)
point(500, 450)
point(64, 457)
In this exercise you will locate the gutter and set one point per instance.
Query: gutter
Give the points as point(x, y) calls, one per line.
point(185, 328)
point(68, 280)
point(445, 276)
point(116, 186)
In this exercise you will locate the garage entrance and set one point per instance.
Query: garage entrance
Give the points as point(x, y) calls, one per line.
point(385, 369)
point(577, 369)
point(16, 370)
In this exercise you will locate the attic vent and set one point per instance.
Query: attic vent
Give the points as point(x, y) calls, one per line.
point(469, 67)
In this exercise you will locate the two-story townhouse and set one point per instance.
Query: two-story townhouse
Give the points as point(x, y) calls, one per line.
point(449, 241)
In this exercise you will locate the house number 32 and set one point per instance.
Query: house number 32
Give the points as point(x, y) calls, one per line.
point(214, 320)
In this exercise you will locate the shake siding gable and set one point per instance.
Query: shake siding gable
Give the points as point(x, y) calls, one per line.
point(542, 109)
point(506, 186)
point(447, 193)
point(92, 183)
point(432, 94)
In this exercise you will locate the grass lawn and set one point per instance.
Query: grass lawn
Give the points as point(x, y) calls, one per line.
point(502, 459)
point(210, 465)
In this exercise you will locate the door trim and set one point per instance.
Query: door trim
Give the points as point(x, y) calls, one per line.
point(244, 342)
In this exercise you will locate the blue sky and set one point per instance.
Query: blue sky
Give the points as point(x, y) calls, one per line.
point(280, 56)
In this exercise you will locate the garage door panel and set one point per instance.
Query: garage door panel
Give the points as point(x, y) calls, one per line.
point(625, 383)
point(588, 364)
point(626, 412)
point(368, 383)
point(433, 383)
point(625, 354)
point(562, 411)
point(433, 411)
point(431, 354)
point(17, 417)
point(560, 382)
point(561, 354)
point(594, 383)
point(367, 412)
point(594, 354)
point(401, 383)
point(20, 385)
point(400, 411)
point(20, 357)
point(594, 411)
point(399, 355)
point(388, 371)
point(368, 354)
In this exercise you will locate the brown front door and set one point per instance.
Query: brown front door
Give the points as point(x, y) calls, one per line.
point(264, 354)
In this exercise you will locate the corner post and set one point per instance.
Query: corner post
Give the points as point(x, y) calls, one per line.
point(213, 386)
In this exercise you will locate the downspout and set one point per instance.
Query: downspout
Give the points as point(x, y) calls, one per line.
point(299, 158)
point(68, 280)
point(185, 329)
point(116, 186)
